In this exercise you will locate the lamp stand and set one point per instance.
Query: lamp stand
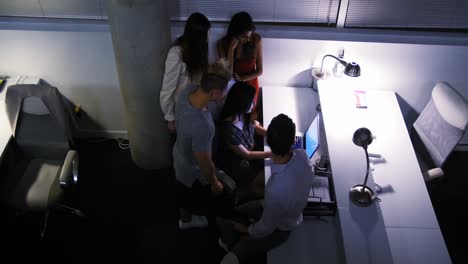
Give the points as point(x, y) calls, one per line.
point(361, 195)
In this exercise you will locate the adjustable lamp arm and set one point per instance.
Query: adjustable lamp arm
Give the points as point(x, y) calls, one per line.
point(336, 58)
point(367, 170)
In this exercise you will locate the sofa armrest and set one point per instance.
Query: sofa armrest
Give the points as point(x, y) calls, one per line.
point(69, 172)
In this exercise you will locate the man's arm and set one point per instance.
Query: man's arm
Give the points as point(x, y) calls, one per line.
point(207, 167)
point(250, 155)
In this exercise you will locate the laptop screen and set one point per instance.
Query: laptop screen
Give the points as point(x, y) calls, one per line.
point(312, 137)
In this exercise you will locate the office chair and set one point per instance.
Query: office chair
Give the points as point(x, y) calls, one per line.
point(439, 128)
point(40, 165)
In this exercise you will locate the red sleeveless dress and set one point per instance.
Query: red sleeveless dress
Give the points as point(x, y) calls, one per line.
point(245, 66)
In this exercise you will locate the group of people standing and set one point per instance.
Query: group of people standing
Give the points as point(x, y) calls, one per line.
point(190, 83)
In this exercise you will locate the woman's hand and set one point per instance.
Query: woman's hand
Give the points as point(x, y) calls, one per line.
point(233, 44)
point(171, 126)
point(240, 228)
point(237, 77)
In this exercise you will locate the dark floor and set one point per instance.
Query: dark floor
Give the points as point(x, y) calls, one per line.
point(450, 200)
point(132, 217)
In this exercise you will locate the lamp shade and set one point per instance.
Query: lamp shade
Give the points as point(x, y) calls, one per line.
point(352, 69)
point(362, 137)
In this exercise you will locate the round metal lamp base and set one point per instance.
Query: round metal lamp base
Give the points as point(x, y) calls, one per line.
point(361, 195)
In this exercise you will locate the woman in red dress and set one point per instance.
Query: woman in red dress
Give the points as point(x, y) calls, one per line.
point(242, 47)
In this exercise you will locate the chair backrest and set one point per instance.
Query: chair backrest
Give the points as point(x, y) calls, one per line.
point(39, 121)
point(443, 122)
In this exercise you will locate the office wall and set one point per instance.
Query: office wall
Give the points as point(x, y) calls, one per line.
point(407, 64)
point(79, 60)
point(76, 58)
point(411, 70)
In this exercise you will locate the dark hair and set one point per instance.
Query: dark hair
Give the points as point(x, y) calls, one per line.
point(240, 23)
point(216, 77)
point(238, 101)
point(280, 134)
point(194, 44)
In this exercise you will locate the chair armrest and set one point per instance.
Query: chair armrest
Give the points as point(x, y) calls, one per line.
point(69, 172)
point(433, 174)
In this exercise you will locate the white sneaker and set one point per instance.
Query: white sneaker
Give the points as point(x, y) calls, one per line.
point(230, 258)
point(223, 245)
point(199, 221)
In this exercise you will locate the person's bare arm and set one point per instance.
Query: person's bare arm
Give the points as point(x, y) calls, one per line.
point(230, 53)
point(246, 154)
point(220, 49)
point(260, 130)
point(207, 167)
point(242, 229)
point(258, 65)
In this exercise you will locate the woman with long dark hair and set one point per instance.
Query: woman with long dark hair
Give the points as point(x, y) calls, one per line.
point(242, 47)
point(238, 156)
point(186, 61)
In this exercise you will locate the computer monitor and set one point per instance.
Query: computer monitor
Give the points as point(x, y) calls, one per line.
point(312, 137)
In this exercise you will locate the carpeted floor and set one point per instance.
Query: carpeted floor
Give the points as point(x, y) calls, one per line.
point(132, 216)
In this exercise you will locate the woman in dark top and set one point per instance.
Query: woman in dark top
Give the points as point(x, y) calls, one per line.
point(238, 156)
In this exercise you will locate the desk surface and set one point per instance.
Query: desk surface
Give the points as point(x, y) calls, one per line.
point(402, 228)
point(379, 233)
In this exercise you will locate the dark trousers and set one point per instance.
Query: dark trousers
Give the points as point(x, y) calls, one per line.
point(199, 199)
point(248, 247)
point(196, 199)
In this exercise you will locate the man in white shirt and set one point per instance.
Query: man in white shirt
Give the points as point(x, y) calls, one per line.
point(286, 195)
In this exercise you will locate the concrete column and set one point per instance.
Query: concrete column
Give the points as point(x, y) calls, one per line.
point(141, 37)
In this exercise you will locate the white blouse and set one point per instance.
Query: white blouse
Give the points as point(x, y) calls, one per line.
point(176, 78)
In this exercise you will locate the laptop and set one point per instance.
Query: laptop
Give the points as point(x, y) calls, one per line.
point(310, 140)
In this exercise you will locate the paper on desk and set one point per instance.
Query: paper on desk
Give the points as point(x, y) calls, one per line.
point(319, 189)
point(360, 98)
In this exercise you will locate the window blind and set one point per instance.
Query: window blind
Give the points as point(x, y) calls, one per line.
point(298, 11)
point(418, 14)
point(75, 9)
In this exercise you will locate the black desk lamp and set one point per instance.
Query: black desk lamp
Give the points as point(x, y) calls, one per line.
point(360, 194)
point(352, 69)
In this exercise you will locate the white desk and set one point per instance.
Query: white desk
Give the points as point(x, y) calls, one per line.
point(403, 227)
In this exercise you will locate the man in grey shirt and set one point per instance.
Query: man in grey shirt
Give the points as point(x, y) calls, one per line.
point(194, 169)
point(286, 195)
